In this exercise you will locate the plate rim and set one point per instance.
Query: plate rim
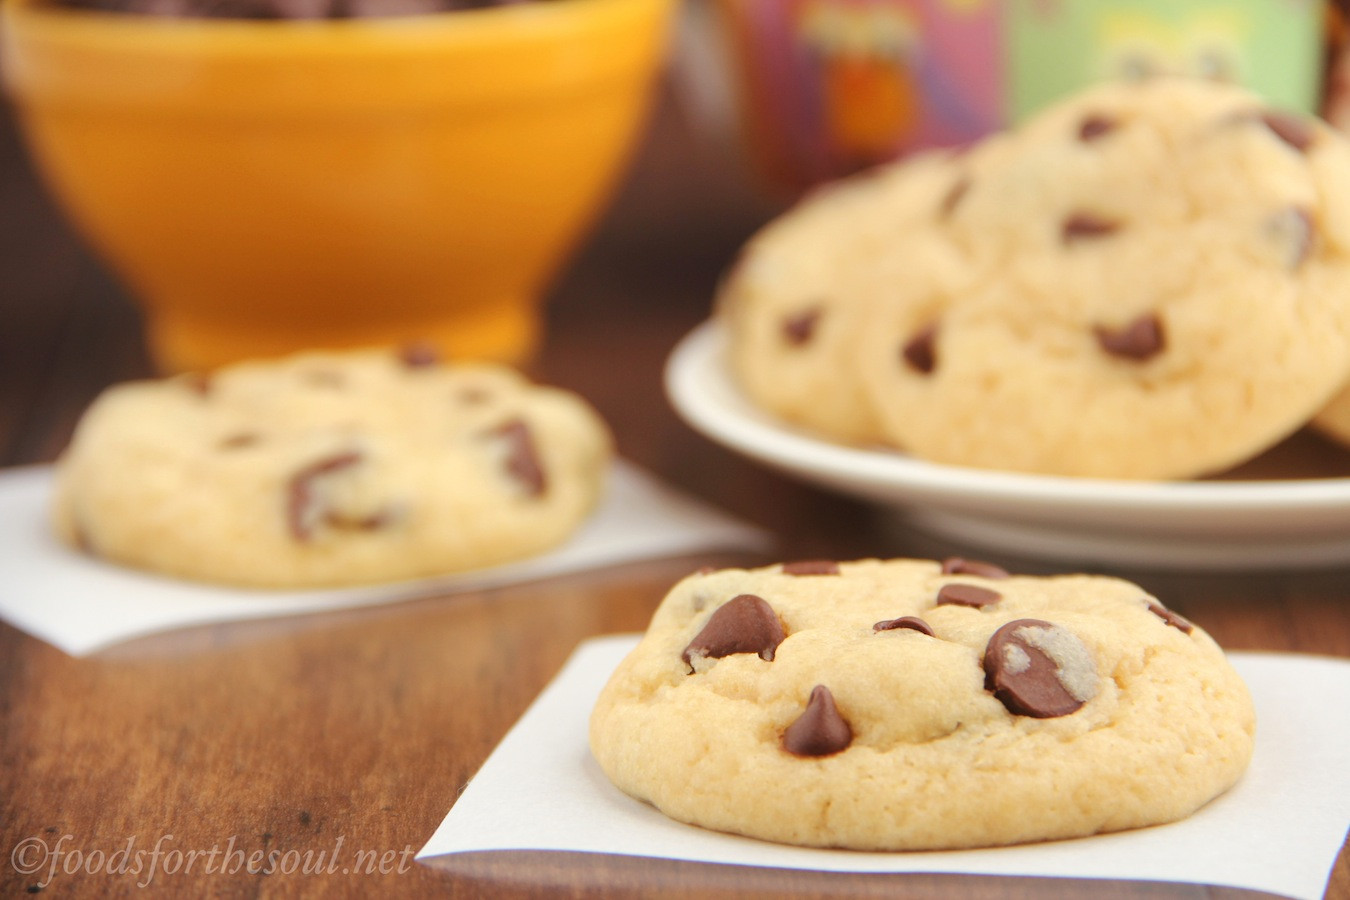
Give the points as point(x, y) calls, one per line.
point(700, 355)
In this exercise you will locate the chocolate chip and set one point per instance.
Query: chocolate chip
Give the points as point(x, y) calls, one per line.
point(920, 352)
point(1171, 618)
point(522, 462)
point(1294, 228)
point(911, 622)
point(954, 195)
point(304, 509)
point(798, 329)
point(420, 355)
point(957, 594)
point(811, 567)
point(819, 730)
point(956, 565)
point(1086, 226)
point(1038, 669)
point(1141, 339)
point(744, 624)
point(239, 440)
point(1294, 130)
point(1095, 126)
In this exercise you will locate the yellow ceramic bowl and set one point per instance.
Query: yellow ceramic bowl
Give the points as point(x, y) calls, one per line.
point(268, 186)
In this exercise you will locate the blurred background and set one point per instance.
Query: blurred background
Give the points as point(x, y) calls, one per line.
point(760, 100)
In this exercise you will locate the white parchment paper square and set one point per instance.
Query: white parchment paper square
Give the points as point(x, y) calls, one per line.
point(1278, 831)
point(81, 604)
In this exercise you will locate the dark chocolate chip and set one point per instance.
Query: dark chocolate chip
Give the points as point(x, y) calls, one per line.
point(954, 195)
point(239, 440)
point(1095, 126)
point(1086, 226)
point(744, 624)
point(820, 730)
point(1139, 340)
point(1171, 618)
point(920, 352)
point(419, 355)
point(522, 461)
point(1038, 669)
point(956, 565)
point(304, 510)
point(798, 329)
point(911, 622)
point(957, 594)
point(811, 567)
point(1294, 130)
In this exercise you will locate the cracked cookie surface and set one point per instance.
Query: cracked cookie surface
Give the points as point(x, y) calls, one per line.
point(854, 708)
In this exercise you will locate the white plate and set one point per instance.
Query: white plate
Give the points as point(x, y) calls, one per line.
point(1303, 520)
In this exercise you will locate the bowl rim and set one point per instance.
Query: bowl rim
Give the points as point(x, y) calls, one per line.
point(519, 23)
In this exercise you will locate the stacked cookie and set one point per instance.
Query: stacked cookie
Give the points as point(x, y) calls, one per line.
point(906, 705)
point(1148, 280)
point(330, 469)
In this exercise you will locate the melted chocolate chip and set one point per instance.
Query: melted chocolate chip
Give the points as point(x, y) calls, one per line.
point(798, 329)
point(811, 567)
point(304, 509)
point(820, 730)
point(419, 355)
point(1294, 130)
point(522, 462)
point(1038, 669)
point(1086, 226)
point(744, 624)
point(957, 594)
point(920, 352)
point(1095, 126)
point(1176, 621)
point(1139, 340)
point(956, 565)
point(913, 623)
point(953, 197)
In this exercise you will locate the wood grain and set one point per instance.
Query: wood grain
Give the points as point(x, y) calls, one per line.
point(355, 731)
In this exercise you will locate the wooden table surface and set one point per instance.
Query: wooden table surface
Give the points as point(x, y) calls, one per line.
point(354, 731)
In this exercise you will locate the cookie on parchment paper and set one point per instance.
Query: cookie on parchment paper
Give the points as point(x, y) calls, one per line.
point(329, 469)
point(908, 705)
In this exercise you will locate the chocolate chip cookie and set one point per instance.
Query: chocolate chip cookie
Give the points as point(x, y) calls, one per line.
point(330, 469)
point(802, 289)
point(1148, 280)
point(1155, 286)
point(907, 704)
